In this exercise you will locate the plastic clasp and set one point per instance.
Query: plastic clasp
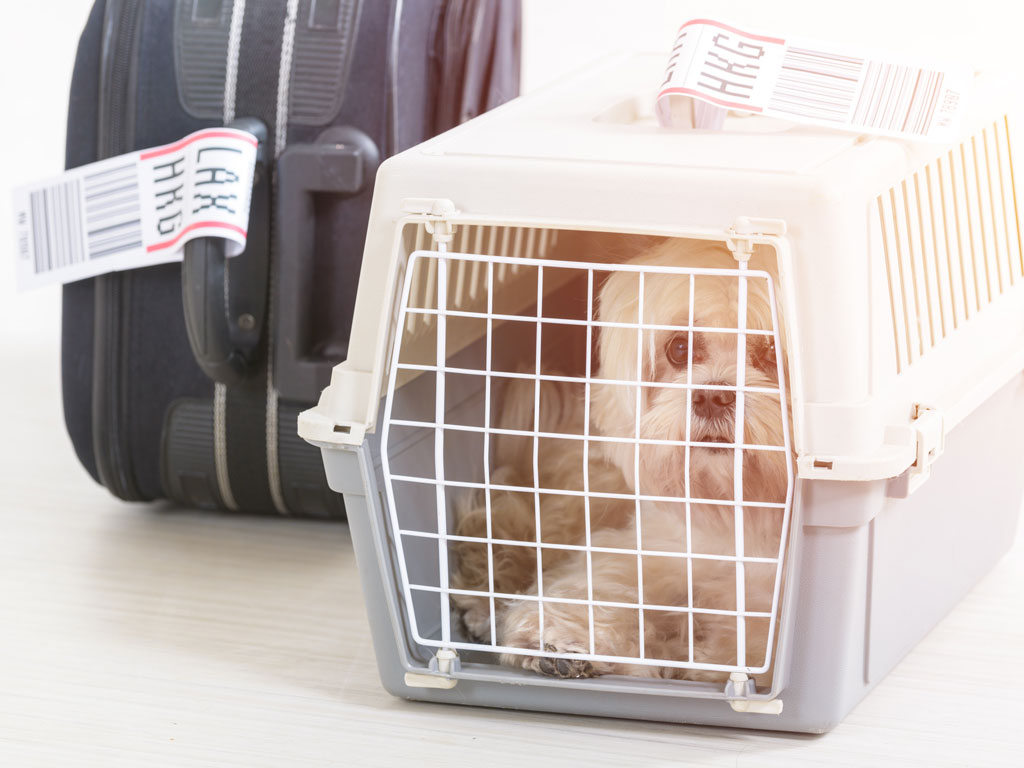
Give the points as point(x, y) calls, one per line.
point(930, 437)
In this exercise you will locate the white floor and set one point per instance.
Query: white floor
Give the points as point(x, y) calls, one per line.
point(141, 635)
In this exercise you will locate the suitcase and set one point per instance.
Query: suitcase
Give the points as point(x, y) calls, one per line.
point(184, 381)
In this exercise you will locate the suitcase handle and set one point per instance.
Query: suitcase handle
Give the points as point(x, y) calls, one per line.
point(342, 161)
point(225, 301)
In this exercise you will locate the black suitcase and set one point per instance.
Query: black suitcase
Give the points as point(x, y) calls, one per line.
point(184, 380)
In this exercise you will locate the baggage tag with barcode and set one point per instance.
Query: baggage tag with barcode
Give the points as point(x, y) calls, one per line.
point(137, 209)
point(806, 81)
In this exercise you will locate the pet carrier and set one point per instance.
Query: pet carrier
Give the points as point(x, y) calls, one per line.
point(862, 299)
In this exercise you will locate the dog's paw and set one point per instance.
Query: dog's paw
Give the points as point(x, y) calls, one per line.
point(566, 669)
point(476, 620)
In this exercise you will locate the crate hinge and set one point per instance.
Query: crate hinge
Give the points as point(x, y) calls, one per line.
point(443, 664)
point(743, 233)
point(437, 211)
point(740, 688)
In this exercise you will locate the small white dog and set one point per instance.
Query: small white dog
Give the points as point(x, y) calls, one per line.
point(702, 358)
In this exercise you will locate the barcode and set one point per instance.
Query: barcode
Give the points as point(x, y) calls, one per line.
point(816, 84)
point(824, 86)
point(898, 98)
point(56, 226)
point(112, 214)
point(110, 219)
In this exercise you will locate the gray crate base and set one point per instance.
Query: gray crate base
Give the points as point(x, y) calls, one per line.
point(875, 575)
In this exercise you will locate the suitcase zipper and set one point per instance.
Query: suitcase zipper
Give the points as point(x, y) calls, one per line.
point(117, 129)
point(113, 291)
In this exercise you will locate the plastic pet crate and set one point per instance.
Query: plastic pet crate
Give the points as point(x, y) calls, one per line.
point(891, 279)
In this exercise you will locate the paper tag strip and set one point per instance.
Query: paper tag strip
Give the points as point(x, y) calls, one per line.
point(807, 81)
point(137, 209)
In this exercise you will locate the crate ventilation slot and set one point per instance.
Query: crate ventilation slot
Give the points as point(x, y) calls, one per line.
point(469, 280)
point(952, 241)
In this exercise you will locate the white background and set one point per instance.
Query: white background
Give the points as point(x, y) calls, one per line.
point(38, 42)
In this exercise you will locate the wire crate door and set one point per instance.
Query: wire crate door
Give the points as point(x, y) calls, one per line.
point(590, 462)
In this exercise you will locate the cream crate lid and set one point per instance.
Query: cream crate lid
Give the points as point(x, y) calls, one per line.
point(600, 115)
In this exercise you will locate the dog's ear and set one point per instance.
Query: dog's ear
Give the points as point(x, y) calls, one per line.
point(614, 406)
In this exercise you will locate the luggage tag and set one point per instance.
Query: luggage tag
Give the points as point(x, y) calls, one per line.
point(135, 210)
point(715, 67)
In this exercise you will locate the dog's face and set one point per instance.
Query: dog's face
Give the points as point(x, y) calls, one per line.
point(701, 357)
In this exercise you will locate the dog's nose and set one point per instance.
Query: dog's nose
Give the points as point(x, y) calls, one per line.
point(712, 403)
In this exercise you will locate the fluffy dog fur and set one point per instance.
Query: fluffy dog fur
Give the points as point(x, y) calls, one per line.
point(612, 469)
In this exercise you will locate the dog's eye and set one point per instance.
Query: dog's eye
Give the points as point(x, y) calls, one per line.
point(765, 358)
point(678, 350)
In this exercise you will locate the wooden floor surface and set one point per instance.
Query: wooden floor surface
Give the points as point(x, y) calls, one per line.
point(138, 635)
